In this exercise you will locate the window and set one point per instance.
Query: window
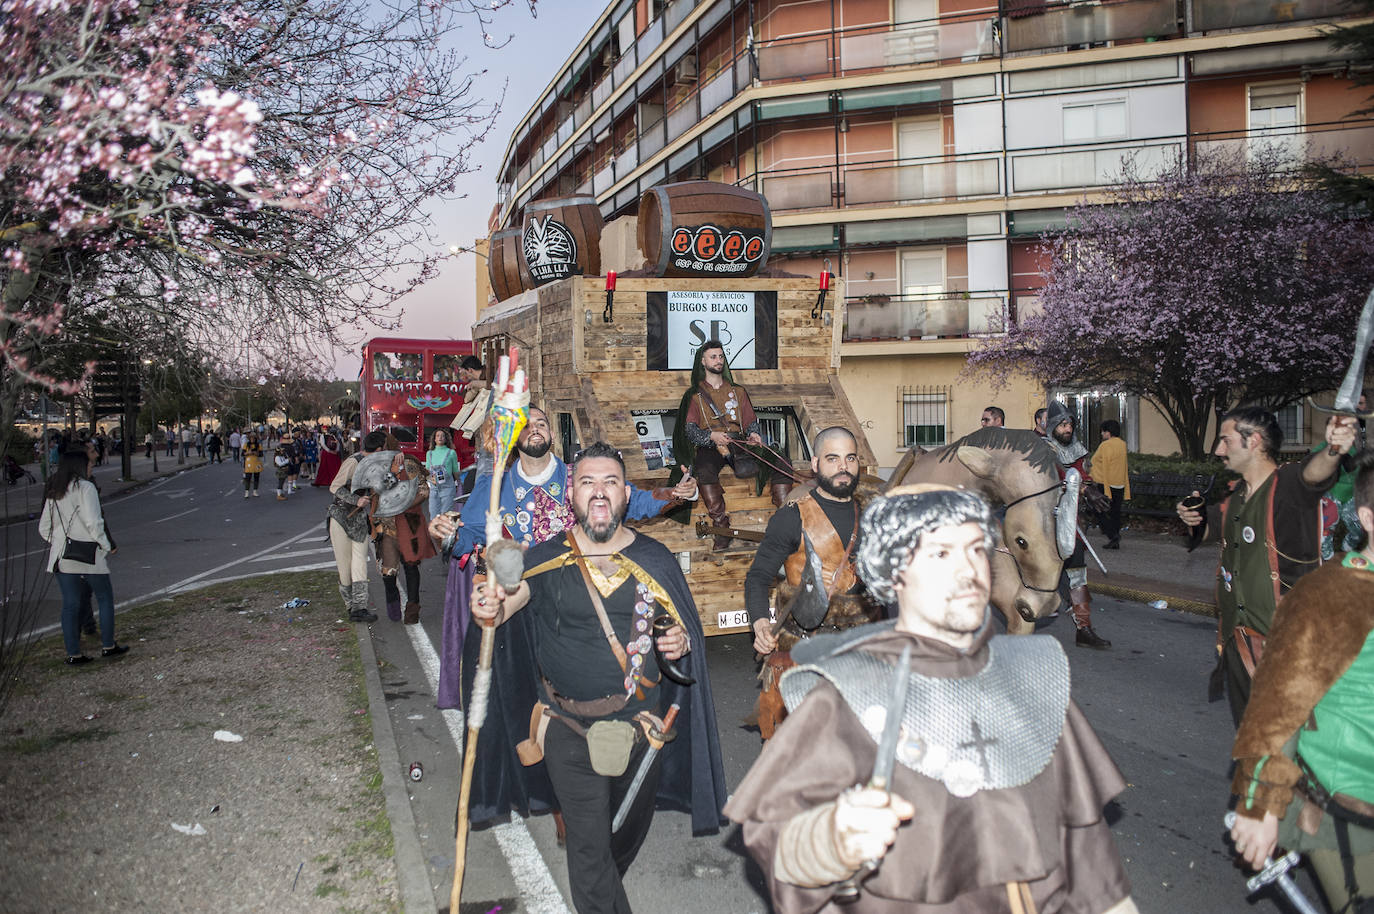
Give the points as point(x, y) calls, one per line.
point(923, 417)
point(1094, 122)
point(1291, 424)
point(1275, 118)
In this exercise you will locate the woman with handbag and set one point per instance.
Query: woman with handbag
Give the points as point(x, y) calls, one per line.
point(73, 524)
point(441, 461)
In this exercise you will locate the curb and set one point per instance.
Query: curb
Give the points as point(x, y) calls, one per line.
point(1182, 604)
point(411, 873)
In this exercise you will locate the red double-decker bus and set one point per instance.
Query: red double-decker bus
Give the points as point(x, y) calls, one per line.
point(411, 387)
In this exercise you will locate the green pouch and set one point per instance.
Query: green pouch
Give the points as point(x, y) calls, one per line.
point(609, 744)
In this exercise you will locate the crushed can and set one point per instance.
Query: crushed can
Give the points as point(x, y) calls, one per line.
point(416, 772)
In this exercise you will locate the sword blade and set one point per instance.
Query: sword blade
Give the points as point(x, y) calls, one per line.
point(645, 764)
point(1091, 551)
point(1348, 396)
point(886, 758)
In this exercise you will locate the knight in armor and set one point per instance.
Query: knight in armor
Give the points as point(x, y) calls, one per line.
point(829, 516)
point(997, 785)
point(1073, 455)
point(714, 412)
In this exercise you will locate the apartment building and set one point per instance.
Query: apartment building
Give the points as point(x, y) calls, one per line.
point(920, 147)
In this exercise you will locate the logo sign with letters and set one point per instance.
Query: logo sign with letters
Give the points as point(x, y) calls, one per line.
point(679, 322)
point(550, 251)
point(710, 250)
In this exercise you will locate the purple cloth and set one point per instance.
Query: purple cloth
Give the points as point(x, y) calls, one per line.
point(457, 593)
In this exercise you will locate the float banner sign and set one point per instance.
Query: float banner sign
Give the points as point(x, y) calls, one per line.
point(679, 322)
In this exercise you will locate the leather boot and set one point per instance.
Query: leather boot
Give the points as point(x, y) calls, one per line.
point(778, 489)
point(1083, 618)
point(358, 610)
point(713, 497)
point(412, 613)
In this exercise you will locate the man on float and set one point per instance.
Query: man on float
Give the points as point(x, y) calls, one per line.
point(716, 411)
point(829, 515)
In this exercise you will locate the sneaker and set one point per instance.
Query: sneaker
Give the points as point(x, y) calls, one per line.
point(78, 660)
point(281, 497)
point(245, 493)
point(1086, 637)
point(361, 615)
point(256, 493)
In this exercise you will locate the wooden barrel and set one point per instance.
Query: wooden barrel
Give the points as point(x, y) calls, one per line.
point(506, 264)
point(562, 238)
point(704, 228)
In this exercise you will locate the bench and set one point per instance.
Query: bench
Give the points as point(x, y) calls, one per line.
point(1171, 486)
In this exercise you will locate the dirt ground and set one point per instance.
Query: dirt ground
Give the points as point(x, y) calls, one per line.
point(100, 764)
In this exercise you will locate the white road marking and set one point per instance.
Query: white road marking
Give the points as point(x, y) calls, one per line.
point(538, 892)
point(175, 516)
point(297, 554)
point(199, 585)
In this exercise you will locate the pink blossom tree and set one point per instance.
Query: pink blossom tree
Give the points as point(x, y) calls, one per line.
point(1223, 280)
point(251, 173)
point(240, 181)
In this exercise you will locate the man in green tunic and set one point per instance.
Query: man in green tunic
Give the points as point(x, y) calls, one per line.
point(1270, 533)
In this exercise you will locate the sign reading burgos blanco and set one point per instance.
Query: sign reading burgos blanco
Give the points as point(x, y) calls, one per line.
point(695, 317)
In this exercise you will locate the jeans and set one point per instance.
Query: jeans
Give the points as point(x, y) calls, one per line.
point(441, 497)
point(73, 595)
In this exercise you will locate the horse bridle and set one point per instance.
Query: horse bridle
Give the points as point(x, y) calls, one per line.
point(1007, 552)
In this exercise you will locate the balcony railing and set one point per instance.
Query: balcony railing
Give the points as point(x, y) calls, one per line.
point(1038, 26)
point(1236, 14)
point(947, 315)
point(1096, 166)
point(876, 183)
point(834, 53)
point(1350, 143)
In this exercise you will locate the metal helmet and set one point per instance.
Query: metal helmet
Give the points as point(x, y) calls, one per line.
point(383, 474)
point(1056, 413)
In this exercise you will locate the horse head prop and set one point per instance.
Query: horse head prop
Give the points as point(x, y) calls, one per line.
point(1017, 473)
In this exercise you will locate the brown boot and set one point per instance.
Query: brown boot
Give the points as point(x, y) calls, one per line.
point(778, 489)
point(713, 497)
point(412, 613)
point(1082, 604)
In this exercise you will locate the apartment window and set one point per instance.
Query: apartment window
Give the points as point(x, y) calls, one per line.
point(1095, 122)
point(1275, 119)
point(923, 272)
point(924, 416)
point(1291, 423)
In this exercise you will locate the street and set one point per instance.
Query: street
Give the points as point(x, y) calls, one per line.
point(178, 532)
point(1145, 697)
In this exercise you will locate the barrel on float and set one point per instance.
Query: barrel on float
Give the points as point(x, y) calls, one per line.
point(704, 228)
point(562, 238)
point(506, 264)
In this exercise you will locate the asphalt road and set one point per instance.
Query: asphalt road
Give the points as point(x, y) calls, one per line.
point(179, 532)
point(1146, 697)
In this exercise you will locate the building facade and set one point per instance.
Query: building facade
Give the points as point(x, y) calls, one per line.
point(920, 147)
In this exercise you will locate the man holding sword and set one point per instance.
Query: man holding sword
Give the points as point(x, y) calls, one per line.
point(993, 804)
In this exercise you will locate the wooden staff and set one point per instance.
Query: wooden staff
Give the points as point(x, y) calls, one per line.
point(509, 411)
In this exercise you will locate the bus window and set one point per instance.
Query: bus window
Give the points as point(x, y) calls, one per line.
point(397, 366)
point(446, 368)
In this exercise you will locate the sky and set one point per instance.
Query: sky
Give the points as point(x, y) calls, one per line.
point(445, 307)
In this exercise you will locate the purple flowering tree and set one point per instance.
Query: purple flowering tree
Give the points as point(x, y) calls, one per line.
point(1221, 281)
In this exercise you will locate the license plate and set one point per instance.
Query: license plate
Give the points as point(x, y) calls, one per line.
point(738, 618)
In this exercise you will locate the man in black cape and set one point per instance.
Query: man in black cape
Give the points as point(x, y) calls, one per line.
point(593, 597)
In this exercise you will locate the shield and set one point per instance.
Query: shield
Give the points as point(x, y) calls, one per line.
point(1066, 514)
point(382, 474)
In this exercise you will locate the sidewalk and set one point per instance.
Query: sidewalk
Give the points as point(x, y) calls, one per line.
point(24, 501)
point(1156, 566)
